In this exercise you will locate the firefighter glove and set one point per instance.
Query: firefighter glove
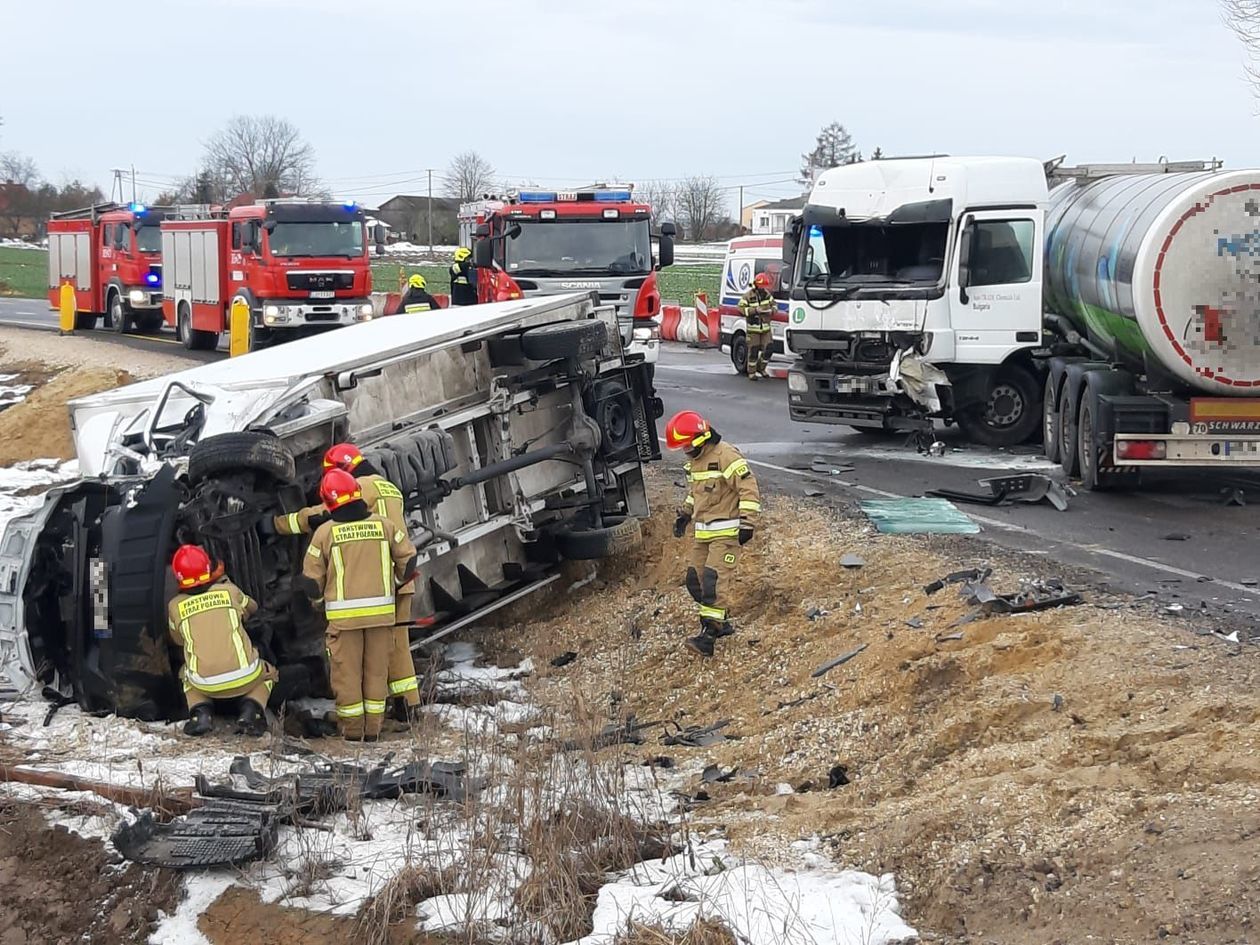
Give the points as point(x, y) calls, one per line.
point(680, 524)
point(745, 532)
point(267, 525)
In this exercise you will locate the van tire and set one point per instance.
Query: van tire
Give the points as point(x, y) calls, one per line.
point(739, 352)
point(237, 452)
point(591, 543)
point(581, 339)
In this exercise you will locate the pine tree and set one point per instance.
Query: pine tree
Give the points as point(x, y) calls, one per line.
point(877, 154)
point(833, 148)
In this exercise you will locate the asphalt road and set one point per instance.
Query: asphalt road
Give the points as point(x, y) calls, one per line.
point(1122, 536)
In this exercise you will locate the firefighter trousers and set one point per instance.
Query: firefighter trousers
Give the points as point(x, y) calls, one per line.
point(402, 670)
point(258, 689)
point(709, 562)
point(758, 350)
point(359, 667)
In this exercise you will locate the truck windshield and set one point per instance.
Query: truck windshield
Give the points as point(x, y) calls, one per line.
point(317, 239)
point(580, 246)
point(872, 253)
point(149, 239)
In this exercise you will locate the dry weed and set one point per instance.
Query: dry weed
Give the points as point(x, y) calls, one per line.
point(398, 898)
point(701, 932)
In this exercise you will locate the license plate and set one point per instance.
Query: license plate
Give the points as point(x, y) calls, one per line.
point(1240, 449)
point(323, 294)
point(857, 385)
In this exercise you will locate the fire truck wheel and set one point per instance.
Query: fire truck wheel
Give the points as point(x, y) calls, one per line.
point(189, 337)
point(150, 323)
point(739, 353)
point(118, 316)
point(582, 339)
point(84, 321)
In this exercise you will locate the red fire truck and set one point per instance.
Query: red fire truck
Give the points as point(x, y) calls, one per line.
point(302, 266)
point(110, 253)
point(553, 242)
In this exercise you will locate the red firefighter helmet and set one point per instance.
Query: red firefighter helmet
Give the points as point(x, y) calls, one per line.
point(339, 487)
point(762, 280)
point(343, 456)
point(686, 429)
point(192, 566)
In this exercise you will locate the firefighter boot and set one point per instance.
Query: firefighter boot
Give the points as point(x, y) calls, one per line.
point(720, 629)
point(251, 720)
point(703, 641)
point(200, 720)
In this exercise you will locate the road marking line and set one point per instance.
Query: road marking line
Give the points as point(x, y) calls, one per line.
point(1007, 526)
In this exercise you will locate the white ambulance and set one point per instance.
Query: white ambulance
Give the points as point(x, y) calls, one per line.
point(746, 258)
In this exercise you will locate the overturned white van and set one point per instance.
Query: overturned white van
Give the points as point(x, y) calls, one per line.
point(517, 432)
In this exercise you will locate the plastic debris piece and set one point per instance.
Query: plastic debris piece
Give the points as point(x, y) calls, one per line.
point(838, 776)
point(699, 736)
point(564, 659)
point(838, 661)
point(918, 517)
point(948, 637)
point(914, 623)
point(852, 561)
point(1024, 487)
point(957, 577)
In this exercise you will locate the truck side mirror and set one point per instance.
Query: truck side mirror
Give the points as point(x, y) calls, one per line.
point(482, 230)
point(665, 252)
point(791, 238)
point(668, 229)
point(483, 254)
point(378, 237)
point(513, 231)
point(964, 259)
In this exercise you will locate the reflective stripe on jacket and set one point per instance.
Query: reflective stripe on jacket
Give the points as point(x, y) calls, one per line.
point(721, 490)
point(209, 625)
point(757, 306)
point(358, 567)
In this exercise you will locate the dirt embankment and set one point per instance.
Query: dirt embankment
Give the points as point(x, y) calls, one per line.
point(39, 427)
point(59, 889)
point(1030, 779)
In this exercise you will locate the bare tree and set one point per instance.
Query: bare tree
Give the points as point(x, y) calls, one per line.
point(261, 153)
point(1243, 17)
point(18, 169)
point(661, 196)
point(469, 176)
point(701, 205)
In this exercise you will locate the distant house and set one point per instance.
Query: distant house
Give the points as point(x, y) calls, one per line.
point(746, 218)
point(408, 219)
point(772, 218)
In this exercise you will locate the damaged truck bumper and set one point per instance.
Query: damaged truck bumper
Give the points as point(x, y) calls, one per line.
point(906, 396)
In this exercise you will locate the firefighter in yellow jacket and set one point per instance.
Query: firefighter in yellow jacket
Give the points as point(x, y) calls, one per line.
point(354, 566)
point(386, 500)
point(757, 306)
point(207, 619)
point(722, 506)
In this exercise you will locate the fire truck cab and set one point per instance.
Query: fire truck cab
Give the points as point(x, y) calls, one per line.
point(111, 254)
point(599, 240)
point(301, 266)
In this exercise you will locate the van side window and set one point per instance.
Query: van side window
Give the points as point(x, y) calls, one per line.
point(1001, 252)
point(236, 236)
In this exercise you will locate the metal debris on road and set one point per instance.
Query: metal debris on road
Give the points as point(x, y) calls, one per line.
point(1176, 536)
point(715, 775)
point(957, 577)
point(838, 661)
point(917, 517)
point(698, 736)
point(832, 467)
point(914, 623)
point(1233, 497)
point(1032, 596)
point(813, 613)
point(948, 637)
point(1025, 487)
point(852, 561)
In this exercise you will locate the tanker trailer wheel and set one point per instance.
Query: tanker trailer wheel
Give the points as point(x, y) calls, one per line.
point(575, 339)
point(1050, 419)
point(1090, 454)
point(1010, 412)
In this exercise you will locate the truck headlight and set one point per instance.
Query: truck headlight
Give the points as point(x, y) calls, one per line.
point(797, 382)
point(366, 311)
point(138, 296)
point(274, 315)
point(645, 334)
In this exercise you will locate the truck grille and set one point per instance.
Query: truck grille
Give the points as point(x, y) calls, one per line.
point(320, 281)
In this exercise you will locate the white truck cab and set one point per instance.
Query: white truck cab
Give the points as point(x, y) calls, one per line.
point(896, 271)
point(746, 258)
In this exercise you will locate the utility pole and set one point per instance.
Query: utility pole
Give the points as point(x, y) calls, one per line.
point(739, 220)
point(117, 186)
point(133, 183)
point(429, 210)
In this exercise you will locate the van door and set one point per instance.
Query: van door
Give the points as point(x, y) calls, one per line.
point(995, 284)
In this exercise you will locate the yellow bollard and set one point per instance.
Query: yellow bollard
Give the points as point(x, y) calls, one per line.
point(68, 308)
point(238, 328)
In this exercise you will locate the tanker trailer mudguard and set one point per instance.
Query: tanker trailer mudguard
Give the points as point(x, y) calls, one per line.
point(517, 432)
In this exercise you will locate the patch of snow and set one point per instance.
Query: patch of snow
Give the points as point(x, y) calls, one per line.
point(761, 906)
point(200, 892)
point(20, 244)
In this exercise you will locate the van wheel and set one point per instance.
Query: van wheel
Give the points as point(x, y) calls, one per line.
point(234, 452)
point(117, 314)
point(1050, 420)
point(591, 543)
point(1010, 412)
point(584, 339)
point(739, 353)
point(614, 415)
point(189, 337)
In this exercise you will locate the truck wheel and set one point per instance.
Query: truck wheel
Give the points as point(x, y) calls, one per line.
point(189, 337)
point(84, 321)
point(583, 339)
point(235, 452)
point(1050, 419)
point(614, 415)
point(150, 323)
point(591, 543)
point(1068, 457)
point(1010, 413)
point(117, 314)
point(739, 353)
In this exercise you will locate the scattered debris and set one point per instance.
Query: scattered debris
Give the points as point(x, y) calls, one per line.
point(220, 833)
point(699, 736)
point(957, 577)
point(1033, 595)
point(813, 493)
point(917, 517)
point(946, 638)
point(628, 732)
point(564, 659)
point(793, 703)
point(1249, 582)
point(914, 623)
point(838, 776)
point(172, 801)
point(1175, 610)
point(831, 467)
point(664, 762)
point(1228, 638)
point(1233, 497)
point(713, 774)
point(838, 661)
point(1176, 536)
point(1056, 704)
point(813, 613)
point(852, 561)
point(1025, 487)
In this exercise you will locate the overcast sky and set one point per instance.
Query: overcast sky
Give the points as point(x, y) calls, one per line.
point(561, 92)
